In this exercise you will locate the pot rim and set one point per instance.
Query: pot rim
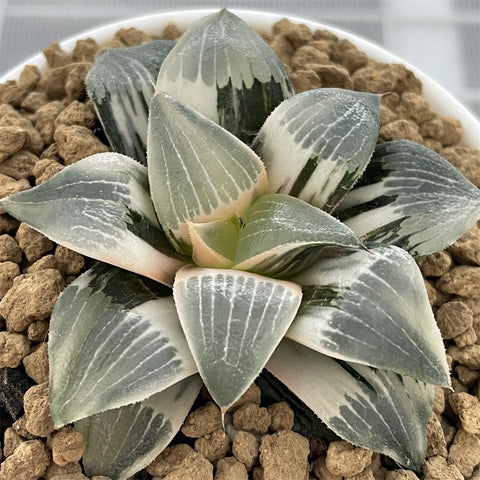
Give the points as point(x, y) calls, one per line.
point(439, 99)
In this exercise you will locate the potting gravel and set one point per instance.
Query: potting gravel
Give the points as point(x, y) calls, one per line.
point(46, 122)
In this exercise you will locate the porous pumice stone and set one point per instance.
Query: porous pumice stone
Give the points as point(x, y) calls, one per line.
point(47, 122)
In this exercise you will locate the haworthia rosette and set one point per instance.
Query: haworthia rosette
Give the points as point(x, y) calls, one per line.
point(122, 441)
point(233, 321)
point(222, 68)
point(198, 171)
point(316, 144)
point(121, 84)
point(374, 409)
point(114, 339)
point(101, 207)
point(412, 197)
point(371, 307)
point(282, 235)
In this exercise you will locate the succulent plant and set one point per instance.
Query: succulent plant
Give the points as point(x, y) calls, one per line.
point(227, 258)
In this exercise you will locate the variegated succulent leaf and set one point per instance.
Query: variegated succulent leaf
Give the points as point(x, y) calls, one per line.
point(283, 235)
point(122, 441)
point(101, 207)
point(316, 144)
point(412, 197)
point(222, 68)
point(233, 321)
point(121, 84)
point(214, 243)
point(371, 307)
point(375, 409)
point(198, 171)
point(114, 339)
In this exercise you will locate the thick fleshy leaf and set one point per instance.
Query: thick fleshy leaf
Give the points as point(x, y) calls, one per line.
point(233, 321)
point(283, 235)
point(371, 307)
point(316, 144)
point(198, 171)
point(412, 197)
point(214, 243)
point(121, 84)
point(122, 441)
point(101, 207)
point(375, 409)
point(114, 339)
point(222, 68)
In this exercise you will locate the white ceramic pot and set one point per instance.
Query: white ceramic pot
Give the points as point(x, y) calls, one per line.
point(439, 99)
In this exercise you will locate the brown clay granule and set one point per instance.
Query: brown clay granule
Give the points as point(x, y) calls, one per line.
point(284, 455)
point(14, 347)
point(252, 417)
point(202, 421)
point(36, 363)
point(347, 460)
point(33, 243)
point(213, 446)
point(46, 122)
point(245, 448)
point(67, 446)
point(229, 468)
point(37, 412)
point(252, 395)
point(282, 416)
point(29, 461)
point(170, 459)
point(76, 142)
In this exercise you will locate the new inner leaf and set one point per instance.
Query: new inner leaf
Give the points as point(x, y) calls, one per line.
point(282, 235)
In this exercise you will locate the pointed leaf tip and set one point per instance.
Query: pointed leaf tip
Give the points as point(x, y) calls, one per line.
point(223, 69)
point(316, 144)
point(282, 235)
point(198, 171)
point(122, 441)
point(410, 196)
point(101, 208)
point(374, 409)
point(371, 307)
point(121, 84)
point(233, 321)
point(114, 339)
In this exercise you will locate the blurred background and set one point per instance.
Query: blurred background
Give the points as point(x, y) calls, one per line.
point(440, 37)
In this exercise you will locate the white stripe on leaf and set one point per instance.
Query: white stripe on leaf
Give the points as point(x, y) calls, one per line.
point(198, 171)
point(233, 321)
point(316, 144)
point(412, 197)
point(101, 208)
point(371, 307)
point(223, 69)
point(114, 339)
point(122, 441)
point(374, 409)
point(121, 84)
